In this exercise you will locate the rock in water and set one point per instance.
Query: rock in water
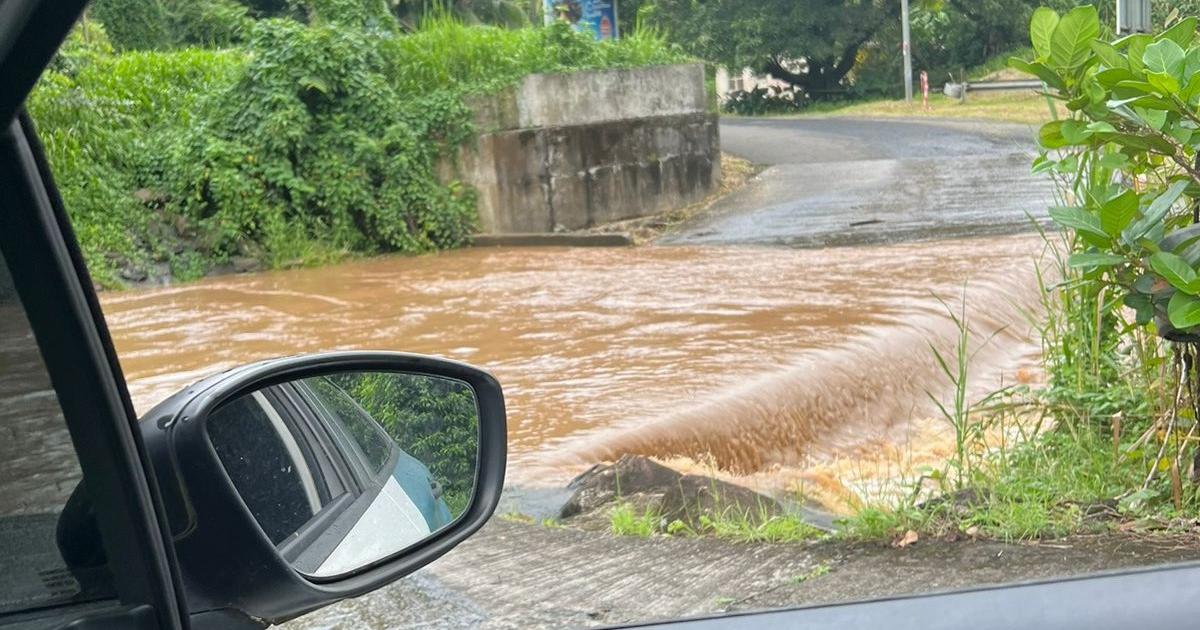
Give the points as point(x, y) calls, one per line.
point(648, 485)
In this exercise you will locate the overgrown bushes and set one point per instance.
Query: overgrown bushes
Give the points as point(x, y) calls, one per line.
point(311, 140)
point(105, 120)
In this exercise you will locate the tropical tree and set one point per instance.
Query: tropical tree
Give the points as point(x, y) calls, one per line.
point(812, 44)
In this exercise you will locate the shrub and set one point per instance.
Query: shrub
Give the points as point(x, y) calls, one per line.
point(1128, 151)
point(314, 141)
point(761, 101)
point(101, 118)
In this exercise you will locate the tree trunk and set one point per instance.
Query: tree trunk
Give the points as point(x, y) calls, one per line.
point(823, 77)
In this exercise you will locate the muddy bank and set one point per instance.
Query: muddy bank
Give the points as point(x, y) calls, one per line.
point(516, 575)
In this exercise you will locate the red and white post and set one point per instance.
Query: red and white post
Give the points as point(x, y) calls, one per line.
point(925, 90)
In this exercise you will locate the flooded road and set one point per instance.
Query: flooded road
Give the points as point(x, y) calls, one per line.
point(594, 345)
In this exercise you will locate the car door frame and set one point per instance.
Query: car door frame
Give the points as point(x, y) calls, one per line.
point(63, 310)
point(61, 303)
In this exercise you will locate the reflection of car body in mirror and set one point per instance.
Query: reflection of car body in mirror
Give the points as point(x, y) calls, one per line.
point(328, 485)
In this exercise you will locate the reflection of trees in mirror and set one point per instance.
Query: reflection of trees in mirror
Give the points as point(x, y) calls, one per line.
point(432, 419)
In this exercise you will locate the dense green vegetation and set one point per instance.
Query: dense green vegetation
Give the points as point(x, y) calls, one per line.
point(1111, 441)
point(194, 136)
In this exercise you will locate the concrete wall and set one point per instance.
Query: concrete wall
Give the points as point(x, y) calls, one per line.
point(575, 150)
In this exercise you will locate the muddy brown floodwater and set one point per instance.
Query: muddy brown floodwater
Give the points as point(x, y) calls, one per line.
point(744, 357)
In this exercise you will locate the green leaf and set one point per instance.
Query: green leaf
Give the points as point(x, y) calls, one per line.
point(1181, 133)
point(1041, 31)
point(1101, 126)
point(1114, 161)
point(1118, 212)
point(1193, 85)
point(1043, 164)
point(1135, 49)
point(1048, 76)
point(1191, 63)
point(1175, 270)
point(1079, 220)
point(1184, 311)
point(1071, 43)
point(1113, 76)
point(1165, 57)
point(1075, 132)
point(1142, 306)
point(1155, 213)
point(1144, 284)
point(1051, 135)
point(1182, 33)
point(1093, 260)
point(1110, 56)
point(1165, 84)
point(1142, 143)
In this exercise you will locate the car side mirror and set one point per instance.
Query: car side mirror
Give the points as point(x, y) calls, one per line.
point(294, 483)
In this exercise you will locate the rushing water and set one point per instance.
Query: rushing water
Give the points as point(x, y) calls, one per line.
point(747, 358)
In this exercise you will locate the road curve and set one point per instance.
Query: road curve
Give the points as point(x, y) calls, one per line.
point(836, 181)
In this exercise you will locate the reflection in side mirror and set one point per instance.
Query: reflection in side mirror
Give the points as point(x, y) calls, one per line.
point(344, 470)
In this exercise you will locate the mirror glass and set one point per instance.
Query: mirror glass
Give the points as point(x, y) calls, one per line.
point(342, 470)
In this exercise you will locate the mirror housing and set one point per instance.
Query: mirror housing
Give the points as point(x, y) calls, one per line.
point(228, 564)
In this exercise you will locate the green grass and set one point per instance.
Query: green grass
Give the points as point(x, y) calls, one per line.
point(1011, 107)
point(741, 527)
point(627, 520)
point(446, 52)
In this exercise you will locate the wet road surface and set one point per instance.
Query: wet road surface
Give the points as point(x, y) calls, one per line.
point(836, 182)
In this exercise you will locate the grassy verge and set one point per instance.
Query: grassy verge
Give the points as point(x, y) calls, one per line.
point(1013, 107)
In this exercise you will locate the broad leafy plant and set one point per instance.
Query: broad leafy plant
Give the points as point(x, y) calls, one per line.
point(1128, 156)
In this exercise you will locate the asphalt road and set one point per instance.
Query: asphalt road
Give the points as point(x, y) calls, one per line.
point(833, 181)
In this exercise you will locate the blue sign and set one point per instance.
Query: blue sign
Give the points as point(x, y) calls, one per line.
point(598, 17)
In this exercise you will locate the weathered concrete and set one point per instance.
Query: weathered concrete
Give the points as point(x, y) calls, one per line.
point(585, 98)
point(576, 150)
point(514, 575)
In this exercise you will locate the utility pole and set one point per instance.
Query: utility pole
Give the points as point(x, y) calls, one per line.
point(908, 79)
